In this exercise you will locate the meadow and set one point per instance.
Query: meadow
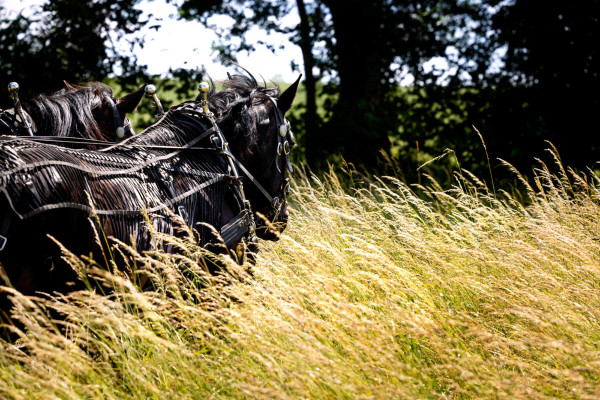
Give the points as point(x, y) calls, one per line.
point(377, 289)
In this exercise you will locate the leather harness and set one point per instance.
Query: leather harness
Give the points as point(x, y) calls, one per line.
point(240, 226)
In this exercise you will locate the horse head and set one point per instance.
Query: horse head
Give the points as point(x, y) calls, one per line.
point(260, 137)
point(89, 111)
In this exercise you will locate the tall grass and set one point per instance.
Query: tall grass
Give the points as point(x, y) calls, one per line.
point(372, 292)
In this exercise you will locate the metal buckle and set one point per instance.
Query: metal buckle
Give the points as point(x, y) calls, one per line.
point(182, 213)
point(216, 140)
point(275, 203)
point(3, 240)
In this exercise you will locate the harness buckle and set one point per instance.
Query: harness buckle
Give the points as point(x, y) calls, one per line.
point(3, 240)
point(183, 213)
point(216, 140)
point(275, 203)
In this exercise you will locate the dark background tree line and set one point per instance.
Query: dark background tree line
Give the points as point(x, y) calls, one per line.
point(355, 54)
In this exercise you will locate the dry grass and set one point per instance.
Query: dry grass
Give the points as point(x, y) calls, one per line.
point(374, 293)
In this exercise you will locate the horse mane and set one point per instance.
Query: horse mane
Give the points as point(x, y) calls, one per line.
point(68, 111)
point(231, 105)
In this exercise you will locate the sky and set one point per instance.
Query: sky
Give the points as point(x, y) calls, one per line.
point(171, 45)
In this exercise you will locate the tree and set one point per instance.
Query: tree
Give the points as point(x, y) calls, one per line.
point(266, 14)
point(552, 61)
point(361, 47)
point(72, 40)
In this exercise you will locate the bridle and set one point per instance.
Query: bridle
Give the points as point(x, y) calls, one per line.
point(283, 149)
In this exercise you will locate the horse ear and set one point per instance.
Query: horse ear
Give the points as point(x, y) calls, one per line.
point(286, 99)
point(129, 102)
point(68, 86)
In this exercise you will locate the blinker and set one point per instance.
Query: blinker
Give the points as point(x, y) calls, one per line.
point(283, 130)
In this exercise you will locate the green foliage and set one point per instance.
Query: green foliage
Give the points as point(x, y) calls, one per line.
point(169, 91)
point(359, 53)
point(69, 40)
point(550, 62)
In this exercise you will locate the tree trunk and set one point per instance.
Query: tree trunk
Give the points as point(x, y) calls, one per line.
point(310, 117)
point(358, 126)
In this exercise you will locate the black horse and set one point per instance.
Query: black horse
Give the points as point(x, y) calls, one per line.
point(90, 111)
point(216, 169)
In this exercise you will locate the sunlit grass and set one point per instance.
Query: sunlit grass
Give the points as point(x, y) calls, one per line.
point(370, 293)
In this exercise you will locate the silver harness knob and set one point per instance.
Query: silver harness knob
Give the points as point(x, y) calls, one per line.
point(150, 91)
point(13, 89)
